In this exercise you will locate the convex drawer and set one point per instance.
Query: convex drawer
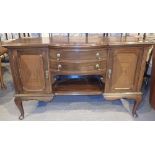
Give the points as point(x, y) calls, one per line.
point(78, 54)
point(72, 67)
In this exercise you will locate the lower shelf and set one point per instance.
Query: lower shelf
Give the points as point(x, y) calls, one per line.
point(78, 85)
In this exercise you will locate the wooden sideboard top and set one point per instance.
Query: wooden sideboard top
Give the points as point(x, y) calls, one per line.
point(74, 41)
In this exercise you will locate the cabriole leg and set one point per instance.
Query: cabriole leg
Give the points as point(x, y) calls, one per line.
point(136, 105)
point(19, 104)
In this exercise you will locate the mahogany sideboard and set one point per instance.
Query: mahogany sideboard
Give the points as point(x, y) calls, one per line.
point(45, 67)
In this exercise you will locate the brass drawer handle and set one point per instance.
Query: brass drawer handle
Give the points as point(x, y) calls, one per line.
point(98, 55)
point(97, 66)
point(58, 56)
point(59, 67)
point(46, 74)
point(109, 73)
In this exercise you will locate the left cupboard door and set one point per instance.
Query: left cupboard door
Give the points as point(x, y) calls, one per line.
point(30, 68)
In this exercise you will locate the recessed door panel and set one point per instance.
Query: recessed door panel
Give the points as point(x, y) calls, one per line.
point(32, 72)
point(125, 69)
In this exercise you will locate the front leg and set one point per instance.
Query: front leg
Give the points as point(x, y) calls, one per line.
point(19, 104)
point(136, 105)
point(3, 86)
point(1, 77)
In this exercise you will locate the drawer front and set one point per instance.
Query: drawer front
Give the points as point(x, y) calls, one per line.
point(86, 67)
point(78, 54)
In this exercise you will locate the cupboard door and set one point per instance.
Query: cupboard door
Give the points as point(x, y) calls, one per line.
point(33, 70)
point(124, 69)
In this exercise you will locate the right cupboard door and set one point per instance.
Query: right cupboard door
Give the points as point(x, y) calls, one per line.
point(124, 68)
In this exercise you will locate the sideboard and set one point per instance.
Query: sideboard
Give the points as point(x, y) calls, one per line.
point(45, 67)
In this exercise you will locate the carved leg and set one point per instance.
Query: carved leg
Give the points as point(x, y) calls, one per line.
point(19, 104)
point(136, 105)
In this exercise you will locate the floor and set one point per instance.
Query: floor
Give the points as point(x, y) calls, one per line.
point(71, 108)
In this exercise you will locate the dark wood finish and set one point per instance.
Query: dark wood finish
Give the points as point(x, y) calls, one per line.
point(57, 42)
point(32, 76)
point(74, 68)
point(83, 85)
point(19, 105)
point(32, 70)
point(118, 64)
point(78, 54)
point(123, 69)
point(138, 100)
